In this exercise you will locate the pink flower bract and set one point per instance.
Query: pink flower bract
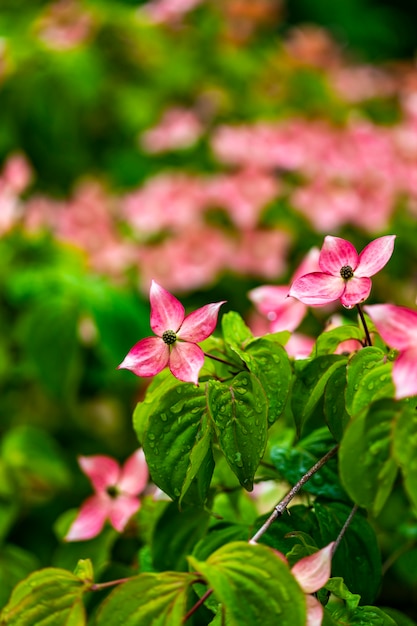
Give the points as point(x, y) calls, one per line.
point(115, 498)
point(345, 274)
point(175, 344)
point(398, 328)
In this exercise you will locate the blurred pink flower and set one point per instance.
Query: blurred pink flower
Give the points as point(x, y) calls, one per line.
point(175, 344)
point(260, 252)
point(116, 494)
point(398, 328)
point(166, 11)
point(345, 275)
point(65, 24)
point(14, 178)
point(283, 312)
point(178, 128)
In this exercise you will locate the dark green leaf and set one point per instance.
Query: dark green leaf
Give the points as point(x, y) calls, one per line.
point(15, 564)
point(334, 406)
point(240, 414)
point(367, 468)
point(157, 599)
point(293, 462)
point(310, 384)
point(177, 441)
point(399, 618)
point(175, 534)
point(253, 585)
point(235, 332)
point(405, 450)
point(357, 559)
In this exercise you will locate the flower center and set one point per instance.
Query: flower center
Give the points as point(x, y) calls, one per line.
point(346, 272)
point(112, 491)
point(169, 337)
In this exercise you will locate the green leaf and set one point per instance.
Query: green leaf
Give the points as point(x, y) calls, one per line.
point(36, 462)
point(15, 564)
point(334, 407)
point(145, 409)
point(405, 450)
point(368, 379)
point(337, 587)
point(49, 332)
point(293, 462)
point(357, 559)
point(157, 599)
point(175, 534)
point(367, 468)
point(84, 570)
point(47, 596)
point(240, 414)
point(219, 535)
point(362, 616)
point(177, 441)
point(253, 585)
point(310, 384)
point(328, 341)
point(235, 332)
point(271, 365)
point(399, 618)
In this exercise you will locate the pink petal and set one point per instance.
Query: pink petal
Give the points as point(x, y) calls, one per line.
point(284, 313)
point(147, 358)
point(397, 325)
point(268, 298)
point(312, 572)
point(337, 253)
point(90, 519)
point(357, 290)
point(299, 346)
point(103, 471)
point(375, 256)
point(199, 324)
point(314, 612)
point(317, 288)
point(186, 361)
point(121, 510)
point(167, 313)
point(135, 474)
point(404, 374)
point(309, 264)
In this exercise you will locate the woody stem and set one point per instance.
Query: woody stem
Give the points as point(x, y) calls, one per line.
point(365, 326)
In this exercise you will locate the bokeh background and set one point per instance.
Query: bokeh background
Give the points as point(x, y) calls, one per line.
point(206, 144)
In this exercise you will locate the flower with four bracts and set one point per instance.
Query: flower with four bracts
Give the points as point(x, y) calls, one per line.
point(345, 274)
point(175, 344)
point(116, 494)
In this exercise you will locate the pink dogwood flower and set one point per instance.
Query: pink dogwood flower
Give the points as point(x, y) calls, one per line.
point(284, 313)
point(312, 573)
point(175, 344)
point(345, 274)
point(116, 494)
point(397, 326)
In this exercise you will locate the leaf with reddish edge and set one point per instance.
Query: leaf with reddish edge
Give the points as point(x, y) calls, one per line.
point(253, 585)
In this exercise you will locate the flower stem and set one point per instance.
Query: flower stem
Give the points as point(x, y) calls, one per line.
point(217, 358)
point(282, 505)
point(344, 528)
point(110, 583)
point(365, 326)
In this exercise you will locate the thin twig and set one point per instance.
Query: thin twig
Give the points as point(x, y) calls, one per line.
point(110, 583)
point(365, 326)
point(217, 358)
point(344, 528)
point(282, 505)
point(197, 605)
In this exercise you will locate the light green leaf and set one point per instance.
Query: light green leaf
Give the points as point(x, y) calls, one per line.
point(271, 365)
point(157, 599)
point(253, 586)
point(177, 441)
point(367, 468)
point(48, 596)
point(235, 332)
point(240, 413)
point(364, 385)
point(405, 450)
point(362, 616)
point(328, 341)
